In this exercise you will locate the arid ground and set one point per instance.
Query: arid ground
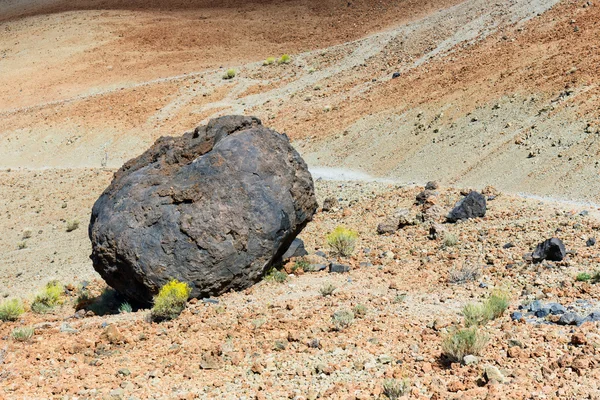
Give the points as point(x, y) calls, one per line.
point(502, 93)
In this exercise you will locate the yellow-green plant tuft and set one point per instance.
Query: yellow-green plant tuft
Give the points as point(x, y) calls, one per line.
point(269, 61)
point(229, 74)
point(170, 301)
point(49, 298)
point(342, 241)
point(284, 59)
point(11, 310)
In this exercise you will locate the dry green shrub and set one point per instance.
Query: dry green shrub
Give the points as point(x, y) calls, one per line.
point(284, 59)
point(463, 342)
point(327, 290)
point(342, 241)
point(22, 334)
point(229, 74)
point(342, 319)
point(170, 301)
point(11, 310)
point(492, 308)
point(49, 298)
point(464, 274)
point(393, 389)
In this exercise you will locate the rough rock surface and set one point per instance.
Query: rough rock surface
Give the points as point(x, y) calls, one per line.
point(551, 249)
point(213, 208)
point(471, 206)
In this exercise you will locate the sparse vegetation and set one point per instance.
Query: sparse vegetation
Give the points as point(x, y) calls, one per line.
point(492, 308)
point(475, 314)
point(125, 308)
point(22, 245)
point(11, 310)
point(327, 290)
point(464, 274)
point(393, 389)
point(275, 275)
point(170, 301)
point(497, 303)
point(303, 265)
point(49, 298)
point(72, 225)
point(450, 240)
point(465, 341)
point(284, 59)
point(269, 61)
point(360, 310)
point(229, 74)
point(342, 319)
point(27, 233)
point(258, 322)
point(583, 277)
point(342, 241)
point(22, 334)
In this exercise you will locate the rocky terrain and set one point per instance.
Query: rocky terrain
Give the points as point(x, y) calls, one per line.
point(276, 340)
point(387, 94)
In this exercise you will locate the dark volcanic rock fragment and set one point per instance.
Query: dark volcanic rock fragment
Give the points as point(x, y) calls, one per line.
point(551, 249)
point(214, 208)
point(471, 206)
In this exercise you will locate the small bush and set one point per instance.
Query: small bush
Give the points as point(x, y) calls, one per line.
point(342, 241)
point(342, 319)
point(492, 308)
point(400, 298)
point(464, 274)
point(72, 225)
point(360, 310)
point(11, 310)
point(284, 59)
point(583, 277)
point(275, 275)
point(269, 61)
point(463, 342)
point(475, 314)
point(303, 265)
point(125, 308)
point(170, 301)
point(497, 303)
point(27, 233)
point(22, 334)
point(393, 389)
point(229, 74)
point(596, 277)
point(22, 245)
point(450, 240)
point(49, 298)
point(327, 289)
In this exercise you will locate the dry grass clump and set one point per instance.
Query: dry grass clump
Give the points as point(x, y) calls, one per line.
point(342, 241)
point(170, 301)
point(464, 274)
point(11, 310)
point(22, 334)
point(342, 319)
point(393, 389)
point(492, 308)
point(49, 298)
point(463, 342)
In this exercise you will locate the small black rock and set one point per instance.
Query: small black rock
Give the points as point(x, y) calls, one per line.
point(551, 249)
point(338, 268)
point(396, 75)
point(590, 242)
point(508, 246)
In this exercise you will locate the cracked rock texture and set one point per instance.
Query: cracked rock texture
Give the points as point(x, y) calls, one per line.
point(215, 208)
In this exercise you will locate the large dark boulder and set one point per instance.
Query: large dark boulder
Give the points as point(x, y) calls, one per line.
point(214, 208)
point(472, 205)
point(551, 249)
